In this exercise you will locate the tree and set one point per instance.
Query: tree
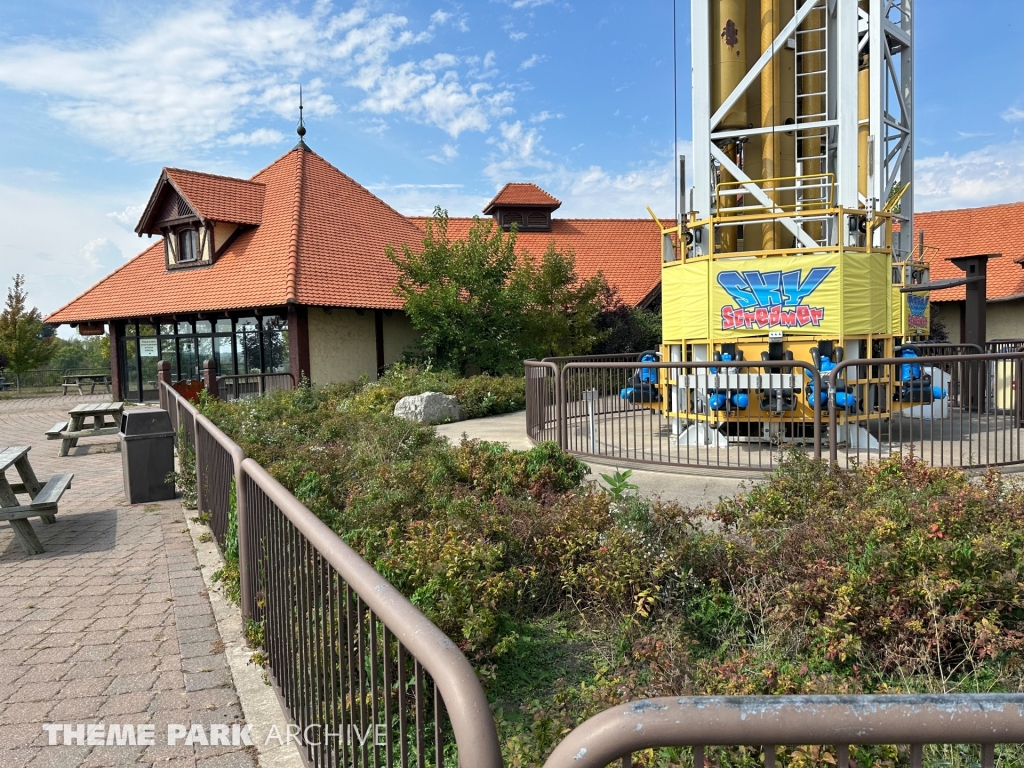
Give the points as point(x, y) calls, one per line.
point(479, 306)
point(456, 294)
point(22, 336)
point(561, 309)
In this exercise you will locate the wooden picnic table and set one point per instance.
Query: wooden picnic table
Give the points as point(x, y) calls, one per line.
point(76, 379)
point(70, 431)
point(43, 498)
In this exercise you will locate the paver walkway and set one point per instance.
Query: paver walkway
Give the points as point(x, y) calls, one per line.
point(112, 623)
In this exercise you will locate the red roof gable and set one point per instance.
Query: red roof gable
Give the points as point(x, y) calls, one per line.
point(321, 242)
point(626, 251)
point(520, 194)
point(973, 231)
point(220, 198)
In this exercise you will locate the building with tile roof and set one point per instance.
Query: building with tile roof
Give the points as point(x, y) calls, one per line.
point(286, 272)
point(994, 229)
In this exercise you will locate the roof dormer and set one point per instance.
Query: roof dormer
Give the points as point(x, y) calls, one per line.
point(526, 205)
point(199, 214)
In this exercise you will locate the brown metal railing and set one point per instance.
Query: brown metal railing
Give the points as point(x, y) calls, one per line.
point(905, 406)
point(933, 349)
point(765, 722)
point(611, 411)
point(367, 678)
point(543, 404)
point(237, 387)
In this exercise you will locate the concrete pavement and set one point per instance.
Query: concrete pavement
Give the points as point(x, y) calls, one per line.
point(112, 624)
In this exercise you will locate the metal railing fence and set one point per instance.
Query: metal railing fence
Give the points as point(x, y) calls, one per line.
point(977, 424)
point(350, 654)
point(951, 409)
point(367, 677)
point(543, 404)
point(614, 411)
point(701, 723)
point(237, 387)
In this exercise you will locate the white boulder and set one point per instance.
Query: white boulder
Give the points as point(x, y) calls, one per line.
point(428, 408)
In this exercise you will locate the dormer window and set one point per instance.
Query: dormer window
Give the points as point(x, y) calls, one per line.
point(188, 246)
point(508, 218)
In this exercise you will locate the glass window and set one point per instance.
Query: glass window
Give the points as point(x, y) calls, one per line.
point(131, 329)
point(224, 325)
point(275, 345)
point(131, 368)
point(166, 329)
point(184, 328)
point(146, 329)
point(169, 353)
point(223, 356)
point(204, 326)
point(188, 361)
point(247, 342)
point(187, 245)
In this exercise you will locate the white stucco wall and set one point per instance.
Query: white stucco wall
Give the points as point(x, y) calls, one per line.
point(1004, 319)
point(398, 334)
point(342, 345)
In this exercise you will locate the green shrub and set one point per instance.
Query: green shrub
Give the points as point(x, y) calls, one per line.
point(892, 577)
point(478, 396)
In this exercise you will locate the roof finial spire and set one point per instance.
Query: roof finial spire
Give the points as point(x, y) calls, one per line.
point(301, 130)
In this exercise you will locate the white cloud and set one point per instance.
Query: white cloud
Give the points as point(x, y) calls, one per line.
point(127, 218)
point(89, 243)
point(100, 254)
point(259, 137)
point(515, 37)
point(544, 116)
point(527, 3)
point(448, 153)
point(420, 199)
point(533, 61)
point(993, 174)
point(1013, 115)
point(193, 78)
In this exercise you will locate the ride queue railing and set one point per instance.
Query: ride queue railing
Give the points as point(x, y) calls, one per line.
point(907, 406)
point(369, 680)
point(954, 409)
point(611, 411)
point(922, 724)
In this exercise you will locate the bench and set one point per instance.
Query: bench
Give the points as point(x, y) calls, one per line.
point(56, 432)
point(43, 498)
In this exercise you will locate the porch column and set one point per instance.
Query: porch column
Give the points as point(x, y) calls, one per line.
point(114, 332)
point(298, 342)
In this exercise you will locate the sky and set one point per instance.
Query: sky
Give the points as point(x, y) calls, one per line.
point(426, 103)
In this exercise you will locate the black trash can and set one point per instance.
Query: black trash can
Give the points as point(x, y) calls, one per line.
point(147, 455)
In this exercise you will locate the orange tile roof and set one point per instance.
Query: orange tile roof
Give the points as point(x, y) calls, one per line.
point(626, 251)
point(973, 231)
point(220, 198)
point(321, 242)
point(516, 193)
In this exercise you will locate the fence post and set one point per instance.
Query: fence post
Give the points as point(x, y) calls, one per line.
point(590, 397)
point(242, 523)
point(833, 426)
point(163, 376)
point(210, 377)
point(561, 428)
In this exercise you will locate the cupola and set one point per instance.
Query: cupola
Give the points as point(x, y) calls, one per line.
point(526, 205)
